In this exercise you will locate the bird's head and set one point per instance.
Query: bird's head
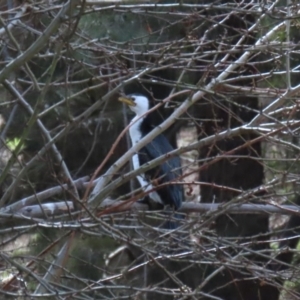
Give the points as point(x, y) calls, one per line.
point(137, 103)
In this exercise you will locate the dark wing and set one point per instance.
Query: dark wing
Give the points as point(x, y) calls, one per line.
point(168, 171)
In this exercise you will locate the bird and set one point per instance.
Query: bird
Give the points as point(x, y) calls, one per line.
point(165, 176)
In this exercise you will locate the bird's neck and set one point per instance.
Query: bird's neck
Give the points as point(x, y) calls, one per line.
point(135, 130)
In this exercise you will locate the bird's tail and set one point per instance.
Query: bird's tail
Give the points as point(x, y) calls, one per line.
point(174, 220)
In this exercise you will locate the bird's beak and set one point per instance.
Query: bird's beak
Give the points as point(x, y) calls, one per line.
point(127, 101)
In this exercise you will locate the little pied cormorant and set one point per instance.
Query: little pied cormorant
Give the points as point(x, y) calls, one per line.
point(167, 173)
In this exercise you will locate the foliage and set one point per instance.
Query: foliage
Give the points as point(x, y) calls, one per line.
point(12, 144)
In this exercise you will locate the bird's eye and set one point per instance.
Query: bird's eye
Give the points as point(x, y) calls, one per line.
point(133, 101)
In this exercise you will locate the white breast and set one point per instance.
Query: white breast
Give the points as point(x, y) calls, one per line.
point(134, 132)
point(135, 136)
